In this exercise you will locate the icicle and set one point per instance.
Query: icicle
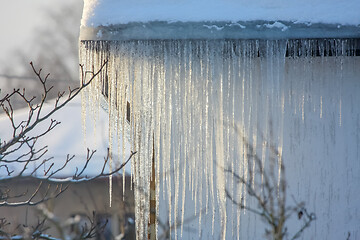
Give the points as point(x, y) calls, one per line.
point(243, 149)
point(303, 108)
point(341, 82)
point(177, 118)
point(321, 106)
point(201, 106)
point(168, 125)
point(220, 178)
point(340, 113)
point(211, 135)
point(112, 121)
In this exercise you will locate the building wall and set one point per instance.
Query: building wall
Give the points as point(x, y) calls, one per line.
point(79, 199)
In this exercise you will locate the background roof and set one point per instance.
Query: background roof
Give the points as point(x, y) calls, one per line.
point(68, 138)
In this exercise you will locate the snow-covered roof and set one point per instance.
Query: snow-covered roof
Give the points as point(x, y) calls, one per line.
point(105, 12)
point(123, 19)
point(66, 138)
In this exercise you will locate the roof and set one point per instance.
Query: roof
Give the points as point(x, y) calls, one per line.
point(68, 138)
point(120, 19)
point(105, 12)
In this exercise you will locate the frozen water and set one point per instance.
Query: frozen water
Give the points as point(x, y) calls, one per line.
point(257, 29)
point(207, 106)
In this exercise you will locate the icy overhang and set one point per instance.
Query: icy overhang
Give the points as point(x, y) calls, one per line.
point(218, 30)
point(164, 19)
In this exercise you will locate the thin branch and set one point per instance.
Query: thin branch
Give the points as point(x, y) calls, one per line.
point(29, 202)
point(30, 126)
point(7, 169)
point(78, 177)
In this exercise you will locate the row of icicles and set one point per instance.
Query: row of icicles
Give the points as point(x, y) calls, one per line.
point(193, 103)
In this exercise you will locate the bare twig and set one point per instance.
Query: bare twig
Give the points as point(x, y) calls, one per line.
point(21, 130)
point(270, 193)
point(23, 138)
point(31, 202)
point(102, 173)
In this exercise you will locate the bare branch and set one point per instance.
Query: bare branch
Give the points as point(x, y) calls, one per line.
point(29, 202)
point(24, 139)
point(7, 169)
point(78, 177)
point(20, 131)
point(270, 193)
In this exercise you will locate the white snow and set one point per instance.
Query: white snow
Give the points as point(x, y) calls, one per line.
point(66, 138)
point(236, 24)
point(280, 25)
point(215, 27)
point(107, 12)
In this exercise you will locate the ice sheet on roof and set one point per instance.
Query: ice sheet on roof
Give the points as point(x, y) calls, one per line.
point(218, 30)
